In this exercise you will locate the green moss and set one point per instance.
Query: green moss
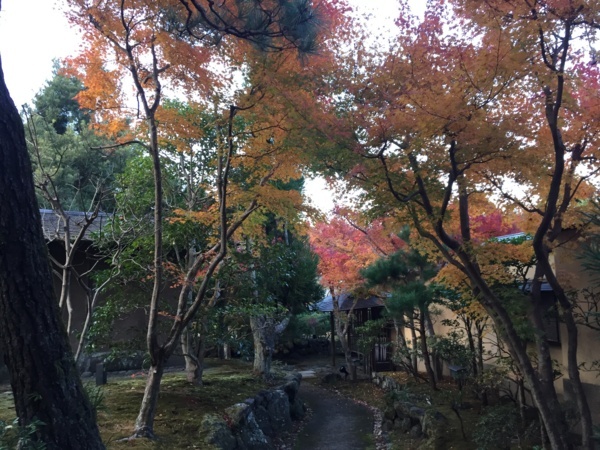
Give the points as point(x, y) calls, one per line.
point(180, 410)
point(7, 406)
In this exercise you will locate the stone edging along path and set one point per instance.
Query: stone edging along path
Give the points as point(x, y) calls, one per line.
point(408, 417)
point(251, 425)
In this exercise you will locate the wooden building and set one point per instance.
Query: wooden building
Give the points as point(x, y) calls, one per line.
point(361, 310)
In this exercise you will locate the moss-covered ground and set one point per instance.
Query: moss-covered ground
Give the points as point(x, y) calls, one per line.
point(182, 406)
point(440, 400)
point(180, 410)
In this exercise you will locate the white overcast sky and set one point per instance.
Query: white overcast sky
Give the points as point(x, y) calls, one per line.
point(34, 32)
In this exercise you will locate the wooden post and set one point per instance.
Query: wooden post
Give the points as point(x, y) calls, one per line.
point(100, 374)
point(331, 320)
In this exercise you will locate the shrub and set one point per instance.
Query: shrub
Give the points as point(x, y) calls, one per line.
point(452, 349)
point(15, 436)
point(95, 395)
point(313, 324)
point(497, 428)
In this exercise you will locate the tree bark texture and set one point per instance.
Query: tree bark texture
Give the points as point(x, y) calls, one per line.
point(194, 355)
point(144, 424)
point(413, 336)
point(263, 336)
point(341, 330)
point(44, 380)
point(425, 351)
point(435, 359)
point(539, 391)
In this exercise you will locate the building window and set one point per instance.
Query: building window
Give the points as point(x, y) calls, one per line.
point(551, 319)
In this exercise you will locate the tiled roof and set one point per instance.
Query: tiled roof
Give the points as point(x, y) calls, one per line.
point(510, 237)
point(54, 228)
point(545, 286)
point(346, 301)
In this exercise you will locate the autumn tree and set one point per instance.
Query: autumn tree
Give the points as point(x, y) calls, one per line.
point(44, 380)
point(69, 165)
point(128, 239)
point(478, 101)
point(71, 173)
point(171, 44)
point(344, 249)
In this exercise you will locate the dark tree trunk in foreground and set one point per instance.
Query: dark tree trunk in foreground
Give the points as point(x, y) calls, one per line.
point(45, 383)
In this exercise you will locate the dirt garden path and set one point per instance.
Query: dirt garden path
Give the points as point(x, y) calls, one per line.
point(335, 422)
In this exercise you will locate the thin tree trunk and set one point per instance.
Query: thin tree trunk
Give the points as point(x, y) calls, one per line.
point(201, 349)
point(539, 391)
point(185, 313)
point(587, 431)
point(552, 221)
point(480, 327)
point(545, 363)
point(572, 344)
point(471, 341)
point(69, 313)
point(522, 398)
point(332, 343)
point(65, 292)
point(192, 366)
point(144, 424)
point(92, 296)
point(187, 347)
point(64, 287)
point(430, 331)
point(413, 333)
point(425, 352)
point(401, 345)
point(91, 300)
point(200, 354)
point(346, 349)
point(44, 380)
point(342, 332)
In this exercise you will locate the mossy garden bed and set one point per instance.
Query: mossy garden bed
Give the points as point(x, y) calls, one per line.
point(181, 406)
point(497, 426)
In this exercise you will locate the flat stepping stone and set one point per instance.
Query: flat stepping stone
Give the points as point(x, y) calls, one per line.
point(308, 374)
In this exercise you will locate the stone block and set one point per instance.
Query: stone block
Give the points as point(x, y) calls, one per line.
point(218, 432)
point(279, 410)
point(389, 413)
point(263, 420)
point(416, 431)
point(297, 409)
point(252, 436)
point(405, 424)
point(291, 389)
point(387, 426)
point(434, 423)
